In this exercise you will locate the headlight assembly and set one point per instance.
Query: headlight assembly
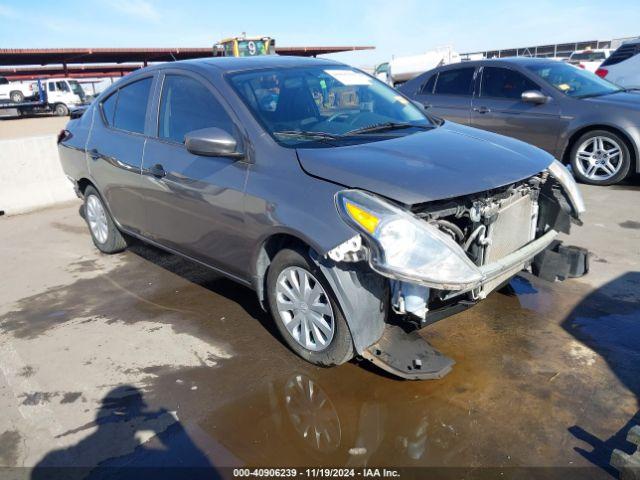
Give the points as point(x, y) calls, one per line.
point(404, 247)
point(563, 176)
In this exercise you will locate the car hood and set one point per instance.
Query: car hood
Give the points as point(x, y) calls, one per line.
point(445, 162)
point(629, 100)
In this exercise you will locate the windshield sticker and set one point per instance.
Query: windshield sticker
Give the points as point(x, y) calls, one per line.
point(349, 77)
point(564, 87)
point(402, 100)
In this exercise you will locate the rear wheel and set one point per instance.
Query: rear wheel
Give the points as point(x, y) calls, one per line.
point(600, 157)
point(60, 110)
point(104, 232)
point(16, 96)
point(305, 310)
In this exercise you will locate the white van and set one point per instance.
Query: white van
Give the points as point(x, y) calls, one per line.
point(623, 66)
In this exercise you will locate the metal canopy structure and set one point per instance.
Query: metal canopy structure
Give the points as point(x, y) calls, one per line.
point(24, 63)
point(549, 50)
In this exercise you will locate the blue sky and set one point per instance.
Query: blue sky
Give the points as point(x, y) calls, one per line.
point(395, 27)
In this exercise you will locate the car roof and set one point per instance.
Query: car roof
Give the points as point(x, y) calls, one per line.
point(521, 61)
point(234, 64)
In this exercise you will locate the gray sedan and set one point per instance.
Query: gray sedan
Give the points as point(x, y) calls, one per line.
point(354, 216)
point(573, 114)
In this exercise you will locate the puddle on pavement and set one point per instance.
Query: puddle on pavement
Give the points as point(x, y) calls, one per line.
point(537, 366)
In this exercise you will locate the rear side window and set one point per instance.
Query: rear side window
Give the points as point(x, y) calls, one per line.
point(427, 87)
point(188, 105)
point(504, 83)
point(131, 107)
point(455, 82)
point(623, 52)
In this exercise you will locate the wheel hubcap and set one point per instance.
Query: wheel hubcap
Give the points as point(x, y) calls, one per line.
point(599, 158)
point(304, 308)
point(97, 218)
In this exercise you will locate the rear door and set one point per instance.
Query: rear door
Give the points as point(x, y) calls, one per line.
point(498, 107)
point(449, 94)
point(115, 149)
point(195, 205)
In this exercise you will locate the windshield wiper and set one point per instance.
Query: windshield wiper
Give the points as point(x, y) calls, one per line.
point(380, 127)
point(307, 134)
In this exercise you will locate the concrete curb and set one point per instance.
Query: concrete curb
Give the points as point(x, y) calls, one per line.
point(31, 176)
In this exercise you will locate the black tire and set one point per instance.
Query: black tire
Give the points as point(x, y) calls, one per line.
point(16, 96)
point(621, 173)
point(60, 110)
point(114, 241)
point(340, 349)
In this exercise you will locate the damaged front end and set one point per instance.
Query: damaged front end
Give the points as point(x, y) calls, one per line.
point(442, 257)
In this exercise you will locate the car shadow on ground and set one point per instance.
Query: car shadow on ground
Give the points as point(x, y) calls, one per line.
point(608, 322)
point(127, 441)
point(206, 278)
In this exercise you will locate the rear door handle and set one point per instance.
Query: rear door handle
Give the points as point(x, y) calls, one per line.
point(94, 154)
point(157, 171)
point(481, 109)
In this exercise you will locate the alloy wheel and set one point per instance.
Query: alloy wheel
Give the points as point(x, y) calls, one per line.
point(599, 158)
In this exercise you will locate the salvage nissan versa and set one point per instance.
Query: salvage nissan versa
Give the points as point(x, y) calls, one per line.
point(356, 217)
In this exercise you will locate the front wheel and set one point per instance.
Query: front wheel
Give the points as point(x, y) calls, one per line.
point(104, 232)
point(600, 157)
point(61, 110)
point(306, 311)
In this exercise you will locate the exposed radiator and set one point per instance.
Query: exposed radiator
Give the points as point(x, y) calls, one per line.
point(514, 228)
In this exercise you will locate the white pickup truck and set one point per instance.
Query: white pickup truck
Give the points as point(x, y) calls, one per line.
point(17, 92)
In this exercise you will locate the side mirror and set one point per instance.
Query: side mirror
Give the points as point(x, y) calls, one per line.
point(534, 96)
point(212, 142)
point(420, 105)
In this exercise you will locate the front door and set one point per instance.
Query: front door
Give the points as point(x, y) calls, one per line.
point(498, 107)
point(194, 203)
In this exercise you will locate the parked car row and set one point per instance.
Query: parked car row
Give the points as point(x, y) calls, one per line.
point(571, 113)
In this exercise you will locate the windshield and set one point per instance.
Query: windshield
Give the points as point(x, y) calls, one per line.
point(76, 88)
point(305, 105)
point(573, 81)
point(588, 56)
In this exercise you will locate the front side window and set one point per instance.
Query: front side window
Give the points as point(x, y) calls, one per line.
point(131, 107)
point(329, 100)
point(52, 87)
point(455, 82)
point(572, 81)
point(188, 105)
point(62, 86)
point(504, 83)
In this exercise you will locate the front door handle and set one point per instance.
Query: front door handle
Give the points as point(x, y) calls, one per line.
point(481, 109)
point(157, 171)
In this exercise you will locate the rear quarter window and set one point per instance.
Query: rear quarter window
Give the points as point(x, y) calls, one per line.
point(427, 86)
